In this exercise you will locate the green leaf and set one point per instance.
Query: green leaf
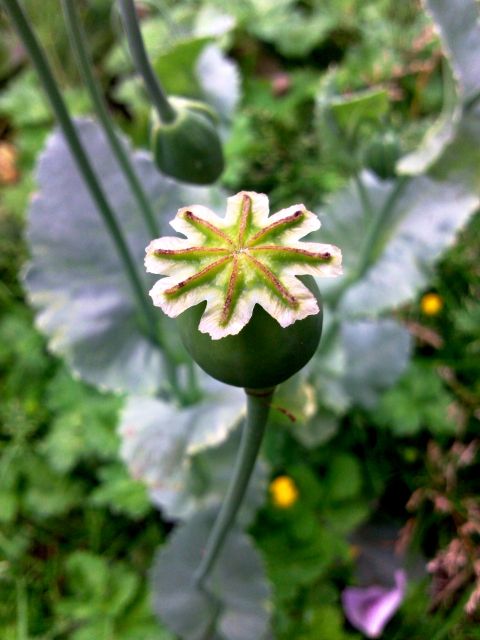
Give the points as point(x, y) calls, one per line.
point(418, 402)
point(294, 563)
point(26, 105)
point(83, 423)
point(9, 505)
point(120, 493)
point(156, 36)
point(176, 66)
point(48, 493)
point(293, 30)
point(211, 77)
point(344, 477)
point(346, 516)
point(102, 598)
point(235, 601)
point(326, 621)
point(435, 141)
point(351, 111)
point(76, 280)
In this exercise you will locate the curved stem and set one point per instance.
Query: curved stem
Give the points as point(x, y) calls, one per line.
point(78, 41)
point(87, 172)
point(158, 96)
point(363, 194)
point(258, 406)
point(370, 247)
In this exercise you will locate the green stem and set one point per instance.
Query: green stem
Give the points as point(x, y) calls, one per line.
point(78, 40)
point(194, 390)
point(86, 170)
point(22, 611)
point(370, 248)
point(158, 96)
point(258, 406)
point(363, 193)
point(369, 251)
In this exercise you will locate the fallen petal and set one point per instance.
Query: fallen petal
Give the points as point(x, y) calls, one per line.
point(369, 609)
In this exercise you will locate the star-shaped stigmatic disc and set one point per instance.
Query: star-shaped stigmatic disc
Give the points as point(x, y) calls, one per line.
point(236, 262)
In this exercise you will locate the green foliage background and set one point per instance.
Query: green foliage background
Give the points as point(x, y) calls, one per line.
point(77, 534)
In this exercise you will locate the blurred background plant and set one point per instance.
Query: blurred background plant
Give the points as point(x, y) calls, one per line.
point(383, 425)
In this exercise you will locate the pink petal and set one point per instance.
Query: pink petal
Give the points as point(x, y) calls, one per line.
point(370, 608)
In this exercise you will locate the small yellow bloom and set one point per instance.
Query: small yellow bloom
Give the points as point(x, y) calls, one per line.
point(284, 492)
point(431, 304)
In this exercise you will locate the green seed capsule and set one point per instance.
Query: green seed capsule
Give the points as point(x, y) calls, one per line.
point(262, 355)
point(188, 148)
point(382, 154)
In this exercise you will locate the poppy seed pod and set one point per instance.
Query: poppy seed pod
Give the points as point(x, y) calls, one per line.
point(188, 148)
point(244, 314)
point(262, 355)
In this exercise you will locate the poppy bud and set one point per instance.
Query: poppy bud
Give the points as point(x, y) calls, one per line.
point(188, 148)
point(382, 154)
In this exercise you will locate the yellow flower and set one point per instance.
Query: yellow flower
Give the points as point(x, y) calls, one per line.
point(284, 492)
point(431, 304)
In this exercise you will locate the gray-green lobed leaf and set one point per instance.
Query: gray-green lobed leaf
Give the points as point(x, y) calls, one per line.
point(438, 136)
point(460, 160)
point(75, 279)
point(365, 358)
point(235, 603)
point(346, 220)
point(377, 353)
point(219, 80)
point(458, 24)
point(176, 452)
point(420, 223)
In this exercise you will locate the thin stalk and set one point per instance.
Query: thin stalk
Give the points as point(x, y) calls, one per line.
point(195, 392)
point(158, 96)
point(370, 247)
point(369, 250)
point(78, 40)
point(258, 406)
point(363, 193)
point(367, 255)
point(22, 610)
point(85, 168)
